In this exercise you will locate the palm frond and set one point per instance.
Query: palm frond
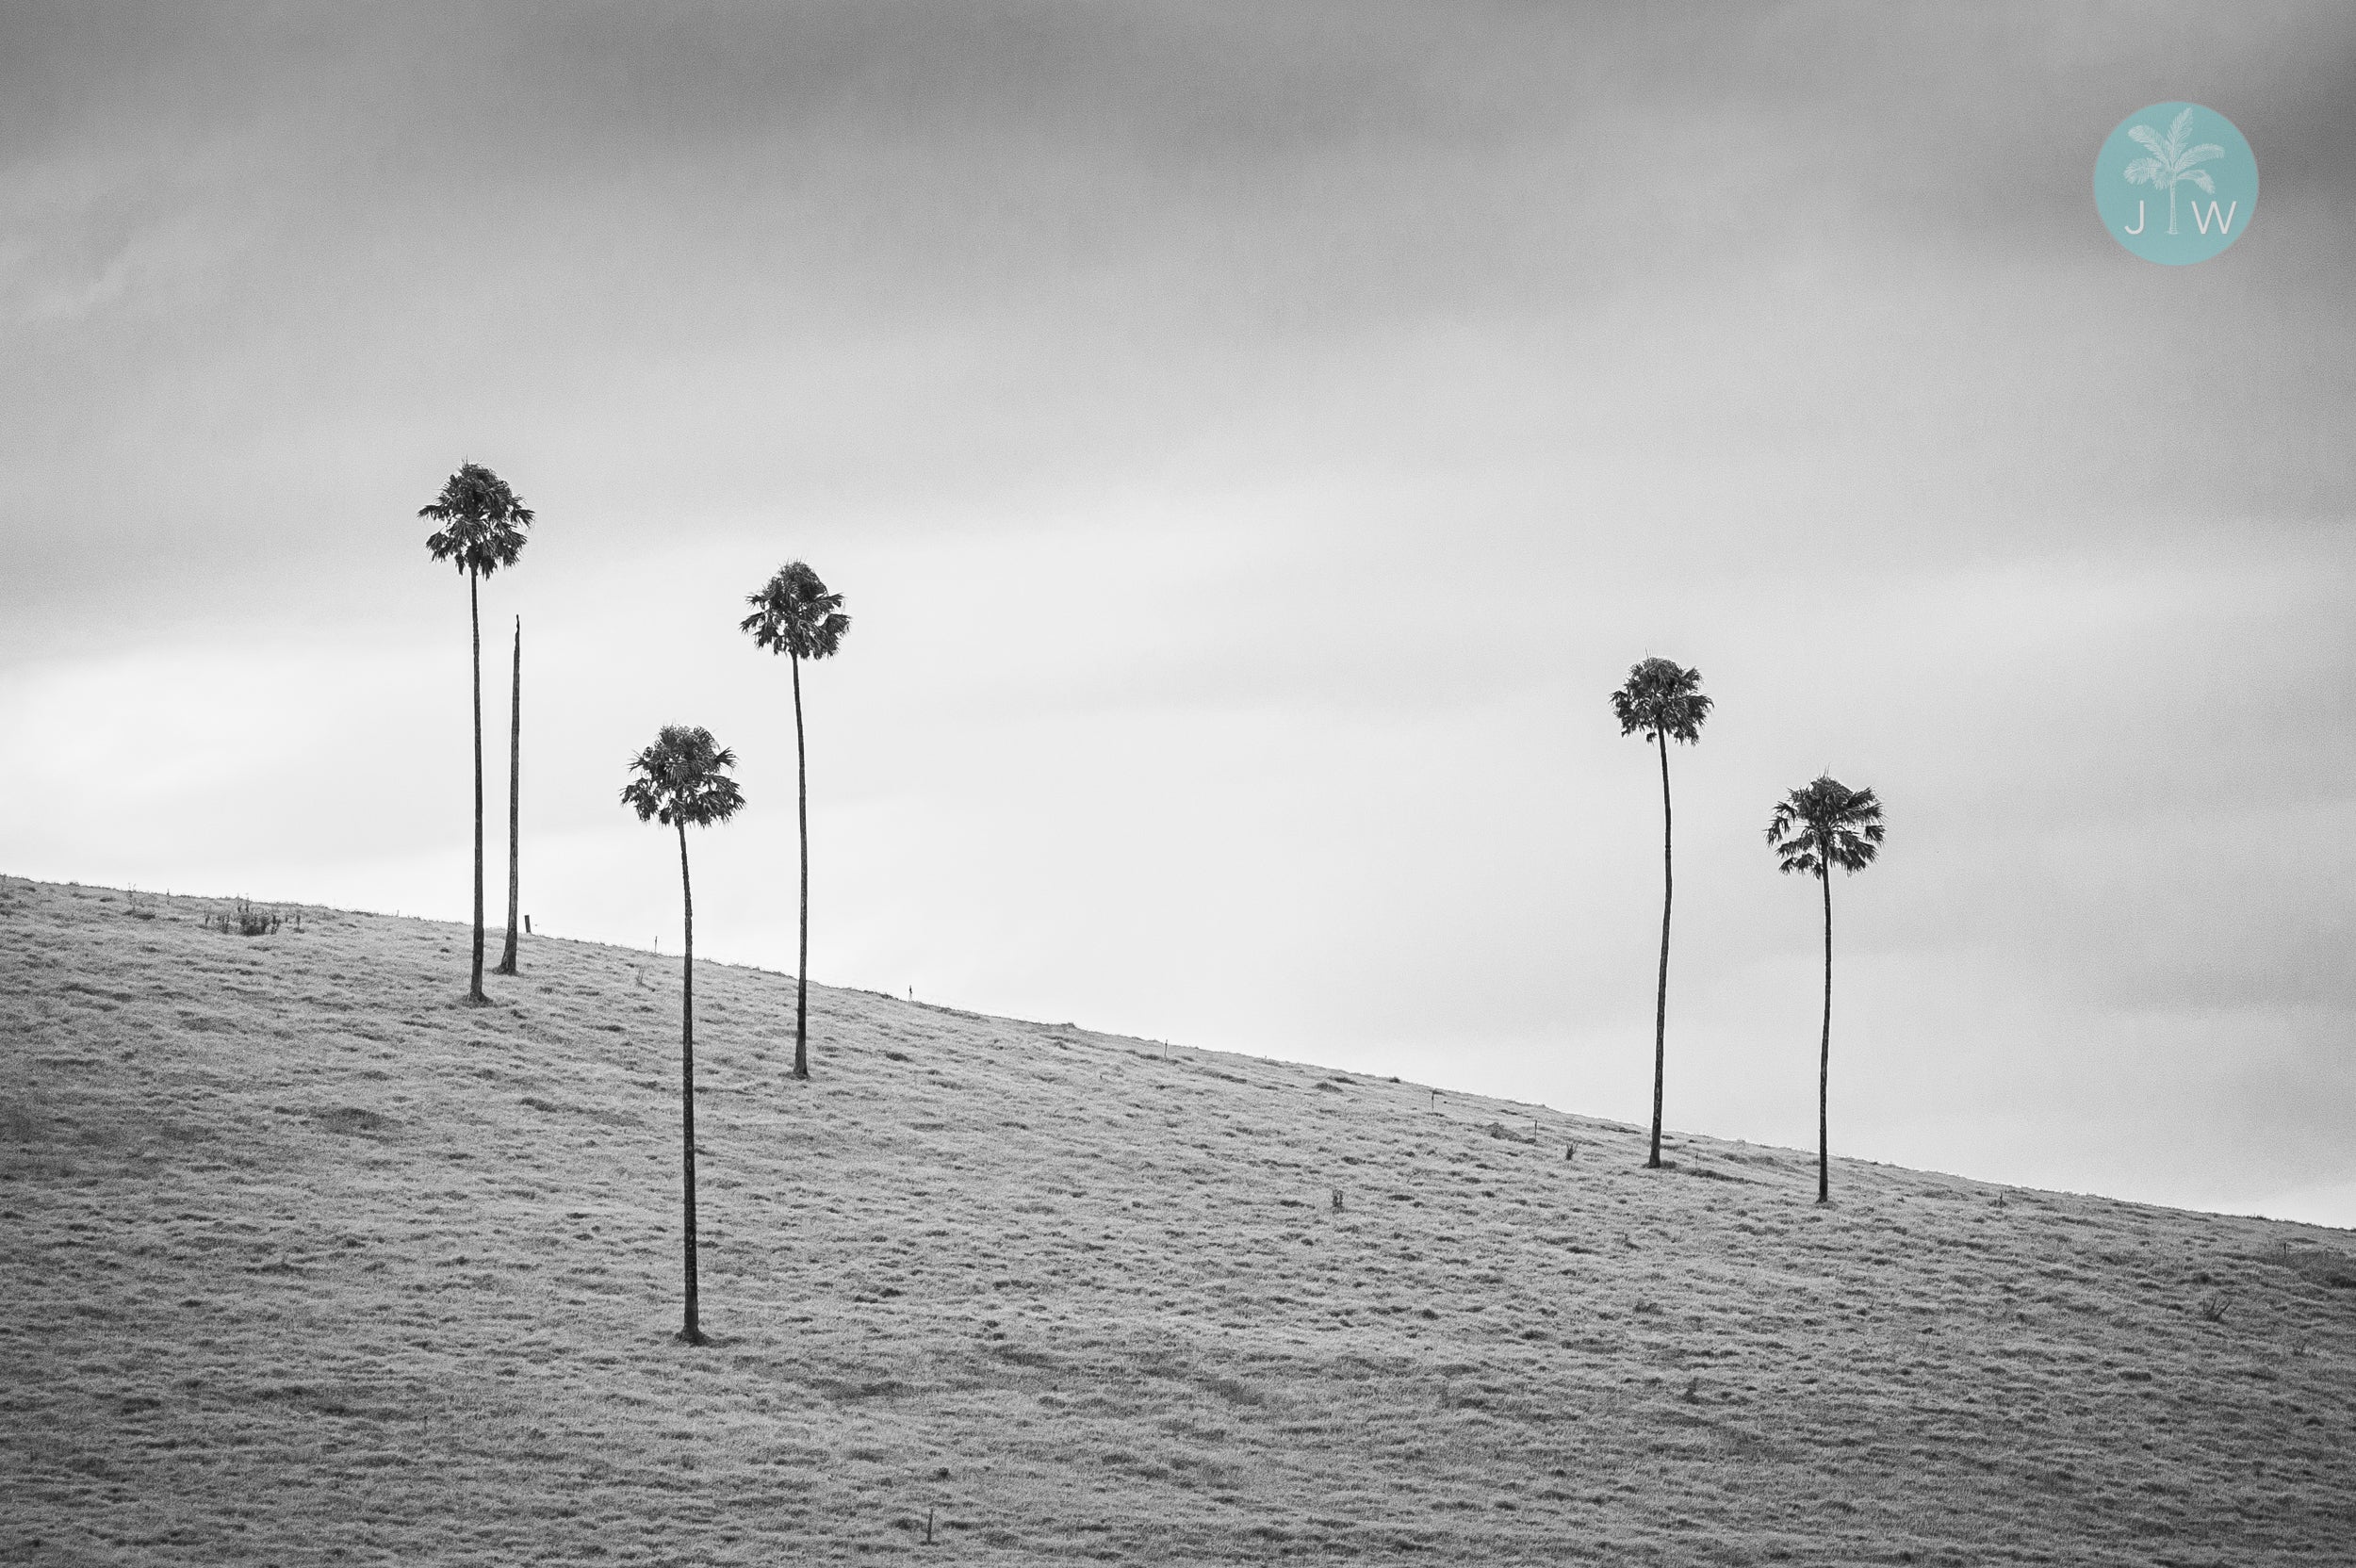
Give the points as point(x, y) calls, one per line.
point(2201, 153)
point(2149, 138)
point(2146, 171)
point(2181, 128)
point(641, 797)
point(2198, 177)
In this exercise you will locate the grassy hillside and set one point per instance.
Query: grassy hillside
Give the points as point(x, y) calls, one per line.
point(307, 1263)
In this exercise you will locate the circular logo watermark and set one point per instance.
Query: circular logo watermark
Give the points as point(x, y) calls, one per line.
point(2176, 183)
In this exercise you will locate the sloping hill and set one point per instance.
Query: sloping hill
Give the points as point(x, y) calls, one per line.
point(306, 1262)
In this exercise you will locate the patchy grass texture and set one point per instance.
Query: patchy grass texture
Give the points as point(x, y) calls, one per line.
point(307, 1263)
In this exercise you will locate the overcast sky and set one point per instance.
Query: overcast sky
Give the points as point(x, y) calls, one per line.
point(1251, 441)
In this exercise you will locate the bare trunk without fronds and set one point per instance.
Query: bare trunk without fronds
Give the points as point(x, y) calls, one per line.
point(1823, 1061)
point(514, 801)
point(474, 615)
point(1661, 1001)
point(801, 964)
point(692, 1329)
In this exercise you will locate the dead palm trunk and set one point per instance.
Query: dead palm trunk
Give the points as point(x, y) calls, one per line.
point(692, 1330)
point(1824, 1063)
point(801, 964)
point(1660, 1003)
point(474, 613)
point(514, 800)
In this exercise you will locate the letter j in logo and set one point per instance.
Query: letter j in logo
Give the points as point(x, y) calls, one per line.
point(2176, 183)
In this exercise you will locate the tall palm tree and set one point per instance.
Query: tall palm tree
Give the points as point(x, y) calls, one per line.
point(514, 802)
point(794, 615)
point(1814, 830)
point(483, 530)
point(682, 779)
point(2172, 160)
point(1663, 701)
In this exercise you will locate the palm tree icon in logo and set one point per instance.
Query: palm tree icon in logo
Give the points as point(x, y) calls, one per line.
point(2171, 161)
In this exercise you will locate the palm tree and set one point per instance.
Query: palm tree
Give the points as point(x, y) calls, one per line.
point(483, 530)
point(793, 614)
point(514, 802)
point(1814, 830)
point(681, 779)
point(1665, 702)
point(2171, 161)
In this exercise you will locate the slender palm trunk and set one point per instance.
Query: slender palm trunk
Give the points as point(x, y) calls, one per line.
point(514, 800)
point(692, 1331)
point(1661, 1001)
point(2171, 206)
point(474, 613)
point(801, 964)
point(1823, 1061)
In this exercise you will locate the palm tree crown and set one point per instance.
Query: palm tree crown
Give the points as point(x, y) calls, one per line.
point(1825, 824)
point(1662, 698)
point(792, 613)
point(483, 521)
point(680, 779)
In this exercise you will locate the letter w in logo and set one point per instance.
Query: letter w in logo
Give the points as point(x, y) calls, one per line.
point(2205, 219)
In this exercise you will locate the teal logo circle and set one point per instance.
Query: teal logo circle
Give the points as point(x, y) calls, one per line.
point(2176, 183)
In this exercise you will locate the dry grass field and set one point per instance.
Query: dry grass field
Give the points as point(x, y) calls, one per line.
point(307, 1263)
